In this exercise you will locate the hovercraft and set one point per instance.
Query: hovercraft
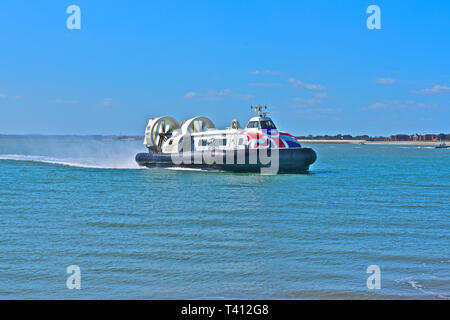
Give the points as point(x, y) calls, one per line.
point(197, 144)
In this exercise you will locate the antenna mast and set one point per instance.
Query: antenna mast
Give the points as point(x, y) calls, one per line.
point(260, 110)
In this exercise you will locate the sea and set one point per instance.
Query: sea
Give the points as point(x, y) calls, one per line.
point(364, 215)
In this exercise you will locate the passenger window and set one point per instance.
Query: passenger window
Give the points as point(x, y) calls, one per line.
point(253, 124)
point(267, 124)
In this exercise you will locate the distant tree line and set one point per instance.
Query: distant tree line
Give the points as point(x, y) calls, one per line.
point(397, 137)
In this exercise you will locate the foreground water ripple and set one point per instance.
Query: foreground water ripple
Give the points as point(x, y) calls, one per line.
point(183, 234)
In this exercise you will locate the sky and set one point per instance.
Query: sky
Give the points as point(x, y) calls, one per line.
point(316, 64)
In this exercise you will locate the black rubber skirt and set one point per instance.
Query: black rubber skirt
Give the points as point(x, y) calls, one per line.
point(291, 160)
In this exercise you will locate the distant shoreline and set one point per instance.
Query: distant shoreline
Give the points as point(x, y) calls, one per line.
point(406, 143)
point(71, 136)
point(108, 138)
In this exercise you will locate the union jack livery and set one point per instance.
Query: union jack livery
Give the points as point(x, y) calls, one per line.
point(272, 139)
point(196, 143)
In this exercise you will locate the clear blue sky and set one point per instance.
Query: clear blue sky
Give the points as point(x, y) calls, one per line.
point(315, 62)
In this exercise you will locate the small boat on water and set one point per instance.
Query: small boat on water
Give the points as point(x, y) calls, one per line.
point(196, 143)
point(442, 145)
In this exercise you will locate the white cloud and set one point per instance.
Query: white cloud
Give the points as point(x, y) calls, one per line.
point(314, 112)
point(267, 73)
point(107, 102)
point(190, 95)
point(217, 95)
point(311, 107)
point(306, 102)
point(436, 89)
point(325, 110)
point(385, 81)
point(299, 84)
point(302, 102)
point(260, 84)
point(396, 104)
point(3, 96)
point(62, 101)
point(272, 73)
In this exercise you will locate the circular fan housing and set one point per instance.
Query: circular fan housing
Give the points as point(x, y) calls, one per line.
point(197, 124)
point(159, 130)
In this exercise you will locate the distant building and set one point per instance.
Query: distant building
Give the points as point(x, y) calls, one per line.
point(400, 137)
point(417, 137)
point(430, 137)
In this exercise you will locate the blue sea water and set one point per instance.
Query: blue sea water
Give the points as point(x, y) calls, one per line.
point(163, 234)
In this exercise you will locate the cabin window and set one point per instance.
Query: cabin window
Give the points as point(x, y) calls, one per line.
point(267, 124)
point(202, 143)
point(253, 124)
point(221, 142)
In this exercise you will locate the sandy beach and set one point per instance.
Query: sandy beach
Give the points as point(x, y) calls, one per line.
point(408, 143)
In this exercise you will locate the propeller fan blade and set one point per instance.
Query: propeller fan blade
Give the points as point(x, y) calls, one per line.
point(197, 126)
